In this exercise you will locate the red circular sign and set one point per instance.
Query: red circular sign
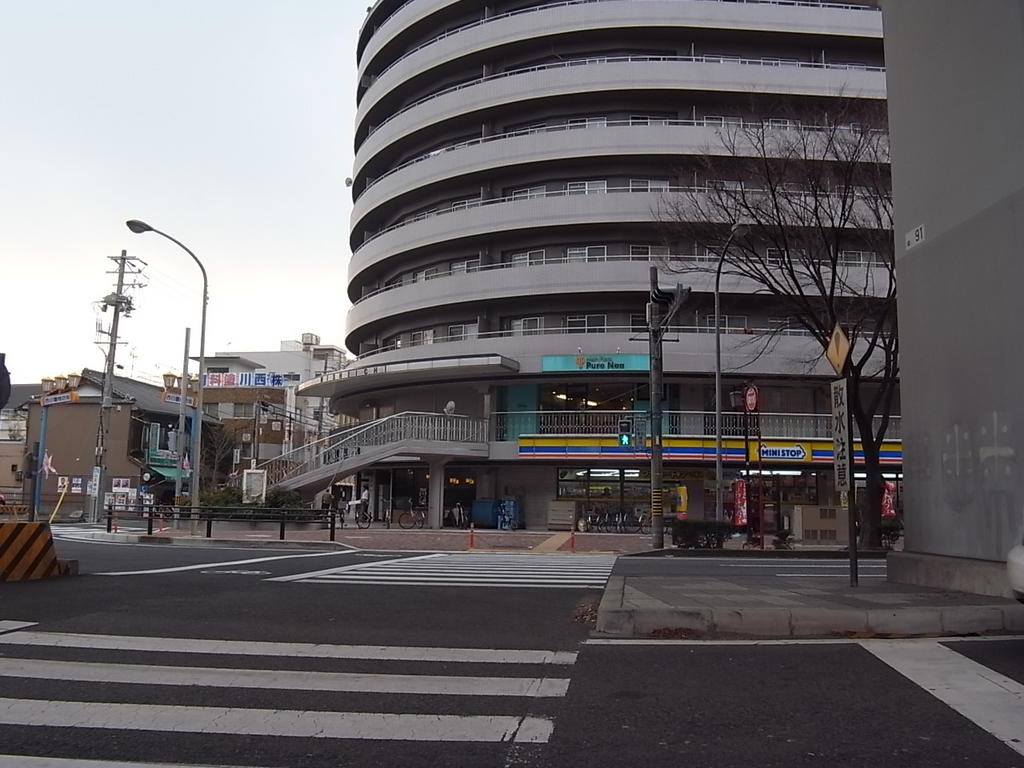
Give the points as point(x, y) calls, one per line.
point(750, 398)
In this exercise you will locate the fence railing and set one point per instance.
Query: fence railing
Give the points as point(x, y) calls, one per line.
point(390, 430)
point(160, 519)
point(508, 426)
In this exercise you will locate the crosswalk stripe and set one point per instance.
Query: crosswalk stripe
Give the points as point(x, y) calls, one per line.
point(990, 700)
point(284, 679)
point(270, 722)
point(471, 569)
point(299, 650)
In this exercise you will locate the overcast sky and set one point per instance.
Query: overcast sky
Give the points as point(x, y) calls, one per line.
point(225, 123)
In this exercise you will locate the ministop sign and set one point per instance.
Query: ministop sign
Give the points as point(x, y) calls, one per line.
point(750, 398)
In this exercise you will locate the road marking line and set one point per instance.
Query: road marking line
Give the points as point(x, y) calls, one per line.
point(27, 761)
point(200, 566)
point(370, 581)
point(803, 565)
point(354, 566)
point(794, 641)
point(11, 626)
point(350, 682)
point(988, 699)
point(301, 650)
point(831, 575)
point(270, 722)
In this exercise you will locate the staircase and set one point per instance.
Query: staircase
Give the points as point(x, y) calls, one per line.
point(417, 435)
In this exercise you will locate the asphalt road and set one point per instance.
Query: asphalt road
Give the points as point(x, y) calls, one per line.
point(199, 657)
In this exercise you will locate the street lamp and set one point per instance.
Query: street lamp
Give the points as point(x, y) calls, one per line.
point(138, 227)
point(737, 230)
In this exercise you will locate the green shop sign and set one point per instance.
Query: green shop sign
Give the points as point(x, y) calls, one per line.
point(587, 363)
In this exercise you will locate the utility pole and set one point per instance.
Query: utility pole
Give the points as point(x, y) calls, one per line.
point(657, 324)
point(121, 303)
point(179, 445)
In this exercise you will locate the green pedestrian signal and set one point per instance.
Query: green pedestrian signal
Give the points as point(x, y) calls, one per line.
point(625, 432)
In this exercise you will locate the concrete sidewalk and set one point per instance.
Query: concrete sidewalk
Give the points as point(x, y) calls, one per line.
point(701, 607)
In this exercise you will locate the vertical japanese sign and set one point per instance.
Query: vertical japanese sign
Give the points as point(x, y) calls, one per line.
point(841, 435)
point(739, 514)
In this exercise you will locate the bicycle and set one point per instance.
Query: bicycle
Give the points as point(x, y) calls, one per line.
point(413, 518)
point(363, 516)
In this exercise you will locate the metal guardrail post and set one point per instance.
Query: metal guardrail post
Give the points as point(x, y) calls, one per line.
point(283, 518)
point(149, 522)
point(334, 523)
point(110, 519)
point(209, 524)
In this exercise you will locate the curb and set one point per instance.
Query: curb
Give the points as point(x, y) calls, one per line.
point(615, 620)
point(781, 554)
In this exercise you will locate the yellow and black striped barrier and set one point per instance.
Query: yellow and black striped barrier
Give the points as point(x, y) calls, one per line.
point(27, 553)
point(14, 512)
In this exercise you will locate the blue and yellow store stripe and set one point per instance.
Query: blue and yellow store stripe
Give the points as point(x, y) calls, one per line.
point(772, 451)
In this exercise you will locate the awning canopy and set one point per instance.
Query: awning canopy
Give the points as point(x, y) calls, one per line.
point(170, 473)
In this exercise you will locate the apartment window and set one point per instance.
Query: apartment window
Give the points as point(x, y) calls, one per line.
point(774, 256)
point(721, 58)
point(463, 331)
point(393, 282)
point(810, 534)
point(586, 253)
point(638, 323)
point(586, 323)
point(827, 514)
point(424, 274)
point(216, 369)
point(525, 326)
point(734, 322)
point(469, 202)
point(856, 258)
point(242, 410)
point(587, 122)
point(419, 338)
point(524, 193)
point(720, 121)
point(647, 120)
point(782, 123)
point(467, 265)
point(526, 258)
point(827, 534)
point(648, 185)
point(212, 409)
point(648, 250)
point(594, 187)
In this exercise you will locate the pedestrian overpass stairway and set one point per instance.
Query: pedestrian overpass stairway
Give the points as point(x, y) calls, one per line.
point(415, 434)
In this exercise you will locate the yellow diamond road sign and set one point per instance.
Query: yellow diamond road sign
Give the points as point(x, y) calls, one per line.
point(838, 349)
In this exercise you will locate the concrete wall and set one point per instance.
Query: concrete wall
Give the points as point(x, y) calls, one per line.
point(956, 104)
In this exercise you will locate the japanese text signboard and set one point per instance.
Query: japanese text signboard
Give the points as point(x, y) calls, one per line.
point(841, 435)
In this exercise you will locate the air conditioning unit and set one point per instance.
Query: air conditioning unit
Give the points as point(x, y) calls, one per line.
point(247, 437)
point(275, 426)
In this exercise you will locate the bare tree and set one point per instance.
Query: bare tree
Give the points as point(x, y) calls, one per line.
point(814, 205)
point(219, 443)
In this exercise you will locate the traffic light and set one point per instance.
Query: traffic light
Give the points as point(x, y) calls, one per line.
point(625, 431)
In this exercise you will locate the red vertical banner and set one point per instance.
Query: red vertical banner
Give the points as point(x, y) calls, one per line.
point(889, 499)
point(739, 514)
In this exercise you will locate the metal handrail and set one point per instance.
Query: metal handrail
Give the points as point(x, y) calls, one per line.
point(458, 206)
point(654, 122)
point(389, 430)
point(506, 426)
point(574, 331)
point(766, 61)
point(547, 262)
point(562, 3)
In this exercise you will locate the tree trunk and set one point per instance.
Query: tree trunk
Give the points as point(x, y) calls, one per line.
point(871, 509)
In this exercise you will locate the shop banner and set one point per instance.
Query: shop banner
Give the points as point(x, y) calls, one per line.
point(739, 514)
point(889, 499)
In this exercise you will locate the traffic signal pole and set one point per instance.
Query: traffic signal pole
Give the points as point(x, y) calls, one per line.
point(657, 322)
point(654, 340)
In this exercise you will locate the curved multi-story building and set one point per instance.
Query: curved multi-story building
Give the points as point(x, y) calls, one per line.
point(510, 159)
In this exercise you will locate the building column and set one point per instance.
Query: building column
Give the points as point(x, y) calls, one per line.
point(435, 493)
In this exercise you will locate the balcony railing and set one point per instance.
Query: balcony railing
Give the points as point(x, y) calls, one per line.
point(390, 430)
point(508, 426)
point(561, 330)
